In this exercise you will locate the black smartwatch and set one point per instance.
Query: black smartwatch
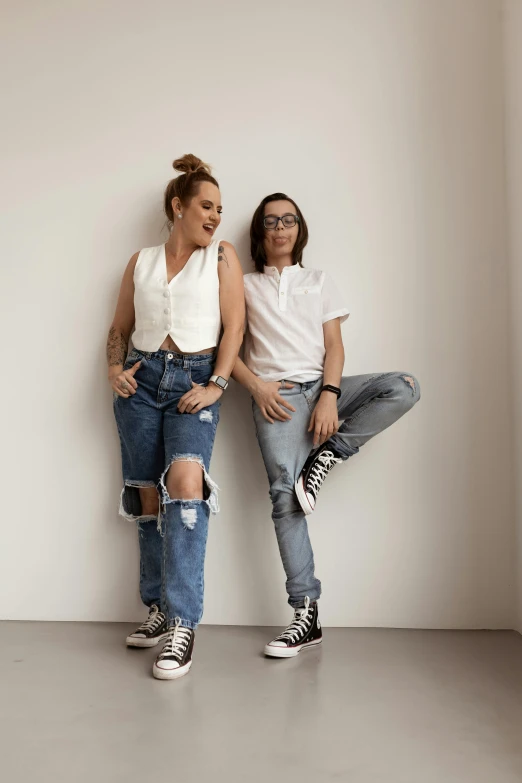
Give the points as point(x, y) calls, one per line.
point(330, 388)
point(219, 381)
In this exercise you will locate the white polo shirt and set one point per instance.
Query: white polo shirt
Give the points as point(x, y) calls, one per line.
point(285, 317)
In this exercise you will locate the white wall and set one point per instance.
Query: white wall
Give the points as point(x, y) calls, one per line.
point(513, 64)
point(385, 122)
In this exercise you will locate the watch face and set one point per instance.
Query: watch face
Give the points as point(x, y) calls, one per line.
point(219, 381)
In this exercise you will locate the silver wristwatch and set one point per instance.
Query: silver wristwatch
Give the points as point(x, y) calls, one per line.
point(219, 381)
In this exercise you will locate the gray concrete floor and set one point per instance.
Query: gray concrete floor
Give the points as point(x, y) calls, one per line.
point(370, 706)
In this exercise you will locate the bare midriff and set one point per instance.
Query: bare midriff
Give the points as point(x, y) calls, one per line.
point(169, 345)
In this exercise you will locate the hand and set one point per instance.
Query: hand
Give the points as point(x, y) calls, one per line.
point(270, 402)
point(199, 397)
point(324, 421)
point(122, 381)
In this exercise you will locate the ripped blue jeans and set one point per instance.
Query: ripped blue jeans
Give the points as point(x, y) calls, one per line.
point(153, 435)
point(368, 405)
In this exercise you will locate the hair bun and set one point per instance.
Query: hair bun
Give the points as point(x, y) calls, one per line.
point(189, 164)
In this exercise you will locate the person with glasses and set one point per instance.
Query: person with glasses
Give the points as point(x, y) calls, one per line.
point(308, 417)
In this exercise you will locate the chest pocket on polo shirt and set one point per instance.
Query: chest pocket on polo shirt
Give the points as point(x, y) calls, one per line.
point(305, 301)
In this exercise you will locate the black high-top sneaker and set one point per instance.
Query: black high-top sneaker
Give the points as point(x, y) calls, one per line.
point(152, 631)
point(315, 470)
point(175, 659)
point(304, 631)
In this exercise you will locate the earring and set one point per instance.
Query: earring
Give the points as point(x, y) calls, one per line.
point(180, 215)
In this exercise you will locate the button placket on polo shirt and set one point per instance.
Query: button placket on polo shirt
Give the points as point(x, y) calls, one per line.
point(283, 291)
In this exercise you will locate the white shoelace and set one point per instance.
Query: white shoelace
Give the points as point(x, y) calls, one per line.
point(176, 642)
point(320, 470)
point(154, 621)
point(300, 624)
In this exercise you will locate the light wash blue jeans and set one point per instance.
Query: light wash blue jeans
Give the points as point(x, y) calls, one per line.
point(368, 405)
point(153, 435)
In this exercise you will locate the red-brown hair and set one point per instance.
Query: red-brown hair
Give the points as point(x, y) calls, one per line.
point(186, 186)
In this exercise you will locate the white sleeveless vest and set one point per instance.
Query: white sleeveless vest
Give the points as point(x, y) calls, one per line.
point(187, 309)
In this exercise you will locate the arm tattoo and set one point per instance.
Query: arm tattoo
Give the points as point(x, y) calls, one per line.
point(222, 256)
point(116, 347)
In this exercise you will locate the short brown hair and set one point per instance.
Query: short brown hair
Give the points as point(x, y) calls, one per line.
point(257, 233)
point(186, 186)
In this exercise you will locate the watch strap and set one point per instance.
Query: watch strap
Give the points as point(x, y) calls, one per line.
point(219, 381)
point(330, 388)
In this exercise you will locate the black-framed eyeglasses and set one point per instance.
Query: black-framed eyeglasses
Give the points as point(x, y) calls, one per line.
point(272, 221)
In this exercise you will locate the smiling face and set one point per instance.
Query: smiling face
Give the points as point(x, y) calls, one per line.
point(201, 216)
point(279, 241)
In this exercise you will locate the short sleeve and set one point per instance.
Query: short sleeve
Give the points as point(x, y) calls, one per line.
point(332, 305)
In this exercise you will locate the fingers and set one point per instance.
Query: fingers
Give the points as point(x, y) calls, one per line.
point(119, 390)
point(273, 406)
point(282, 401)
point(193, 405)
point(120, 393)
point(188, 407)
point(324, 431)
point(125, 385)
point(333, 428)
point(192, 399)
point(184, 398)
point(277, 413)
point(319, 433)
point(186, 403)
point(198, 402)
point(127, 377)
point(273, 413)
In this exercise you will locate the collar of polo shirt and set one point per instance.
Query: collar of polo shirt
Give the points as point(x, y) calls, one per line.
point(272, 270)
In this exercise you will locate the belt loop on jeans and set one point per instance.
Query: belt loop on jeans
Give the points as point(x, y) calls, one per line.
point(186, 363)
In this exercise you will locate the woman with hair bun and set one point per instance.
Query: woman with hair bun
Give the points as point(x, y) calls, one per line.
point(184, 300)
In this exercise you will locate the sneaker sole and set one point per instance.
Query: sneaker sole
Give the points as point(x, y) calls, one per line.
point(132, 641)
point(289, 652)
point(170, 674)
point(301, 496)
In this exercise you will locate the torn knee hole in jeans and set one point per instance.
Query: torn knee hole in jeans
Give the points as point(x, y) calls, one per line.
point(130, 501)
point(141, 523)
point(210, 489)
point(206, 415)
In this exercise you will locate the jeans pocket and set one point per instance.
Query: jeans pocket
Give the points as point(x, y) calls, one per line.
point(134, 359)
point(201, 373)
